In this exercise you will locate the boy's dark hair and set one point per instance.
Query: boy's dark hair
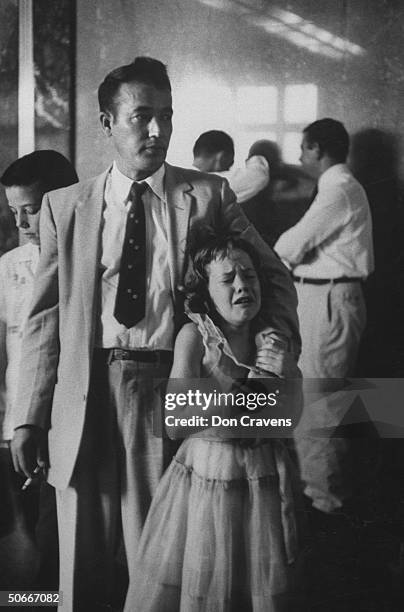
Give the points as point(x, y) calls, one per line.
point(144, 70)
point(50, 168)
point(213, 142)
point(331, 137)
point(205, 245)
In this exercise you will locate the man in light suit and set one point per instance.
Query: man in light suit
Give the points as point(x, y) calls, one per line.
point(88, 377)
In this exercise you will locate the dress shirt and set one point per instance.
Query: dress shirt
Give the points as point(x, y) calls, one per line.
point(17, 270)
point(248, 180)
point(156, 330)
point(334, 238)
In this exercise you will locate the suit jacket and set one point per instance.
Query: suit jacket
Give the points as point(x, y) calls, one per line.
point(59, 335)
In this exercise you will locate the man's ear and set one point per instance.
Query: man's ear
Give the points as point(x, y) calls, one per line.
point(316, 148)
point(222, 161)
point(106, 119)
point(226, 160)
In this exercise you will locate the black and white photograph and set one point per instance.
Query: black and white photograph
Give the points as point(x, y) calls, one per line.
point(201, 305)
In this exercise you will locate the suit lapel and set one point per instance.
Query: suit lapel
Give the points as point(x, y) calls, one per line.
point(179, 203)
point(89, 216)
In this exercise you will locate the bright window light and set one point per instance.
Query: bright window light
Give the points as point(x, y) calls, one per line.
point(300, 103)
point(206, 100)
point(257, 104)
point(198, 107)
point(291, 147)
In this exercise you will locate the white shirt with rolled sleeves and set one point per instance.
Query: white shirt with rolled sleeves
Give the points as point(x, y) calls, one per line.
point(334, 238)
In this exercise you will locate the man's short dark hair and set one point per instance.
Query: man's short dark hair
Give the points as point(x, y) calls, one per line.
point(144, 70)
point(213, 142)
point(50, 168)
point(331, 137)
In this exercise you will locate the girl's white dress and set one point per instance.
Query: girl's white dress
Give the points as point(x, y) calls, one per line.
point(220, 535)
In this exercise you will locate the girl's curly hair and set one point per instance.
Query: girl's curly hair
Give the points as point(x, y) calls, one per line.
point(206, 244)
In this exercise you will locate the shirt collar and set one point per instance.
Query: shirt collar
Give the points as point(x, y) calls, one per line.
point(330, 174)
point(121, 184)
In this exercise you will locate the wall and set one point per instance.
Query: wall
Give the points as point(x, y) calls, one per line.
point(211, 47)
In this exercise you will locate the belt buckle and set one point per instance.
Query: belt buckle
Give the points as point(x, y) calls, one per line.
point(118, 354)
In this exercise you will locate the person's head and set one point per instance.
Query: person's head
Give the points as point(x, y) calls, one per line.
point(27, 179)
point(136, 113)
point(325, 143)
point(213, 151)
point(268, 149)
point(225, 281)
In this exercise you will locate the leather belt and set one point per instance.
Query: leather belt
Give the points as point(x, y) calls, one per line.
point(115, 354)
point(327, 281)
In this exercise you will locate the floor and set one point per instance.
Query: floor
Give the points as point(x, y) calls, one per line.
point(352, 561)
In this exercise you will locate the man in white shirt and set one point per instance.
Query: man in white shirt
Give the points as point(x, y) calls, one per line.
point(330, 252)
point(214, 152)
point(102, 325)
point(25, 181)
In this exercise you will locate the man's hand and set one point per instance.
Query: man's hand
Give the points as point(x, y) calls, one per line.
point(29, 449)
point(274, 357)
point(274, 361)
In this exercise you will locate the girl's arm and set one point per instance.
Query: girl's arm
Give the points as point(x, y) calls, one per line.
point(188, 353)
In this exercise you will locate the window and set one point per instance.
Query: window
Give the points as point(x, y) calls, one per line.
point(273, 113)
point(300, 103)
point(248, 113)
point(257, 105)
point(300, 109)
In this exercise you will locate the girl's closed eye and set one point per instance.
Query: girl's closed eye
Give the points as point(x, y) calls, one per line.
point(32, 210)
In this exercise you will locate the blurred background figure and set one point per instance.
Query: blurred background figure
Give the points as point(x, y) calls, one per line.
point(284, 199)
point(214, 152)
point(25, 182)
point(274, 195)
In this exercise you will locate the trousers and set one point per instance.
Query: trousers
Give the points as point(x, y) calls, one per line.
point(332, 318)
point(120, 462)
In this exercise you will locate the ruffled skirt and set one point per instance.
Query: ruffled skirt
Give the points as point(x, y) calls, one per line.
point(220, 535)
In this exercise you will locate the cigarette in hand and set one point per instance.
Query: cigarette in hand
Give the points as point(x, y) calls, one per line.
point(30, 480)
